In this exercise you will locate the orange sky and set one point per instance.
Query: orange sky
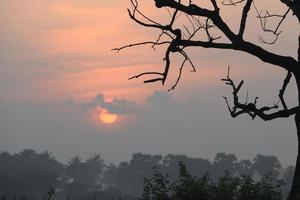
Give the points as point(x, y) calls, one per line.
point(61, 48)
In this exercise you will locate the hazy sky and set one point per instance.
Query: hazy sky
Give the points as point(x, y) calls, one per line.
point(57, 74)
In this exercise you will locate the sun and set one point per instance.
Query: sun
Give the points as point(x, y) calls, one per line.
point(107, 117)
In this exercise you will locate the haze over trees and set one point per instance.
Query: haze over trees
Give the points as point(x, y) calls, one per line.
point(29, 174)
point(207, 28)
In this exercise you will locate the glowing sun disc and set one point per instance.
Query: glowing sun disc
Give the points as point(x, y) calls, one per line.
point(108, 118)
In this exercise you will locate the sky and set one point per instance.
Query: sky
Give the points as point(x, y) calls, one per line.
point(58, 74)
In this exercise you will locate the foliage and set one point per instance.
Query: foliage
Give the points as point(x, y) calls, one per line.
point(228, 187)
point(30, 174)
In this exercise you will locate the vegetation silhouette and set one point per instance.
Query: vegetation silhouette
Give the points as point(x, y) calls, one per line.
point(177, 37)
point(29, 175)
point(228, 187)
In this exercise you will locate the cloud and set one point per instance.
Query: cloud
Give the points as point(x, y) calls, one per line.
point(197, 125)
point(160, 98)
point(117, 106)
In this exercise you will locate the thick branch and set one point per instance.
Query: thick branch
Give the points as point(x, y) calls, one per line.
point(282, 90)
point(192, 9)
point(244, 18)
point(285, 62)
point(214, 3)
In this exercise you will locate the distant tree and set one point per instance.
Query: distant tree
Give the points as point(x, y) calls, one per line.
point(223, 162)
point(196, 166)
point(29, 173)
point(170, 164)
point(83, 176)
point(245, 168)
point(208, 21)
point(267, 165)
point(111, 176)
point(128, 176)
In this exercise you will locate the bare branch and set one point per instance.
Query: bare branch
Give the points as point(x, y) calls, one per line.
point(232, 3)
point(244, 17)
point(285, 62)
point(282, 91)
point(209, 36)
point(176, 43)
point(264, 24)
point(132, 16)
point(234, 113)
point(148, 73)
point(139, 44)
point(179, 75)
point(174, 15)
point(145, 73)
point(135, 5)
point(251, 108)
point(214, 3)
point(168, 63)
point(294, 6)
point(188, 59)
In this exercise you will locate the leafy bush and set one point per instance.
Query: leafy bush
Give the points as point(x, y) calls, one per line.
point(228, 187)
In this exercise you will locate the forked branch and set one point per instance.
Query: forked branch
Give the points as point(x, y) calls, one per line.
point(251, 108)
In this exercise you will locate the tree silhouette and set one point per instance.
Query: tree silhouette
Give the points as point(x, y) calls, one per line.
point(223, 162)
point(271, 165)
point(28, 173)
point(207, 20)
point(83, 176)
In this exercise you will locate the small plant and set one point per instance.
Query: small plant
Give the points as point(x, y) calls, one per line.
point(51, 193)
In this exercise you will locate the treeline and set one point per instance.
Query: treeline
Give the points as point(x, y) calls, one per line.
point(29, 174)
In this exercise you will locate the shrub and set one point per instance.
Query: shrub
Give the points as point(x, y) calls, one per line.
point(228, 187)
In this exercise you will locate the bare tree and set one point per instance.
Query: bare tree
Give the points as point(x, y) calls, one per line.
point(207, 20)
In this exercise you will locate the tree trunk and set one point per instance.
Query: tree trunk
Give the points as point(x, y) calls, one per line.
point(295, 190)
